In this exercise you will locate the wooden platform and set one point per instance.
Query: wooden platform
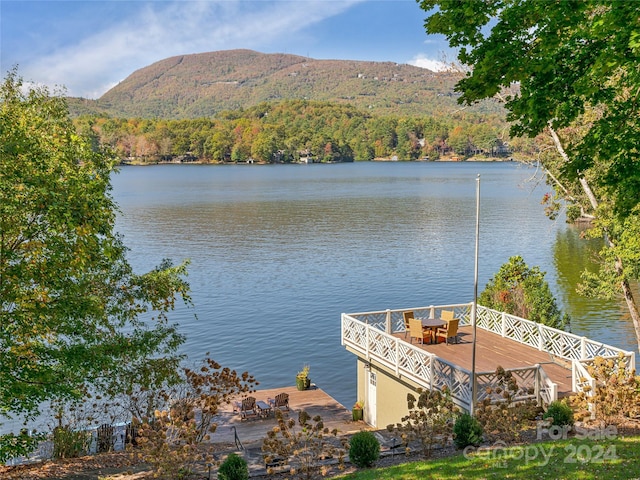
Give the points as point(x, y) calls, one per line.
point(493, 350)
point(314, 401)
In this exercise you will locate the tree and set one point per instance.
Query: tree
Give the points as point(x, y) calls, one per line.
point(520, 290)
point(73, 314)
point(172, 439)
point(569, 69)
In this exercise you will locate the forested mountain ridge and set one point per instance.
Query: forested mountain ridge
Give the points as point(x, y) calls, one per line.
point(203, 84)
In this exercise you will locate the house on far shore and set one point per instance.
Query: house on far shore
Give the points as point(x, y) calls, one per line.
point(547, 363)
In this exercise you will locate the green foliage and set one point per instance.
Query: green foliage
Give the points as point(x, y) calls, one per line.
point(304, 444)
point(69, 443)
point(505, 420)
point(559, 413)
point(429, 422)
point(21, 445)
point(467, 431)
point(570, 71)
point(283, 131)
point(522, 291)
point(234, 467)
point(364, 449)
point(71, 304)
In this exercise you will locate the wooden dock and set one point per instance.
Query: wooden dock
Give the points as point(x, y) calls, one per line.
point(314, 401)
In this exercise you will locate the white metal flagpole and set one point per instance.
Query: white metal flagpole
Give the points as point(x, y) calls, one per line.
point(474, 310)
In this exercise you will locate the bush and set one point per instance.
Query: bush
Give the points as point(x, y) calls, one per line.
point(234, 468)
point(467, 431)
point(560, 414)
point(364, 449)
point(68, 443)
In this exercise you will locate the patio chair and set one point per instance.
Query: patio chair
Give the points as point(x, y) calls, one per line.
point(407, 315)
point(447, 315)
point(248, 408)
point(281, 402)
point(416, 330)
point(450, 330)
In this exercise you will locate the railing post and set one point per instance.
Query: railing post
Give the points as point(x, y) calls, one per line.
point(397, 358)
point(504, 324)
point(583, 348)
point(540, 339)
point(366, 340)
point(430, 372)
point(342, 329)
point(388, 323)
point(432, 311)
point(537, 384)
point(474, 391)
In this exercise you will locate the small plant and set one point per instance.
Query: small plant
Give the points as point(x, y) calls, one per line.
point(501, 417)
point(559, 413)
point(306, 444)
point(430, 420)
point(359, 405)
point(615, 398)
point(302, 378)
point(364, 449)
point(467, 431)
point(233, 468)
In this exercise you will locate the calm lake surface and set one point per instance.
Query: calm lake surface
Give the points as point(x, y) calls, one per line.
point(279, 252)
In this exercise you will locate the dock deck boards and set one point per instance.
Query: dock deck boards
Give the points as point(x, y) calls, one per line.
point(493, 350)
point(315, 401)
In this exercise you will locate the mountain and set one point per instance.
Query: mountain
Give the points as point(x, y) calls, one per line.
point(203, 84)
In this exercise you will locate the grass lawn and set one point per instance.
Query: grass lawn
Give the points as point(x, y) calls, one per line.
point(617, 458)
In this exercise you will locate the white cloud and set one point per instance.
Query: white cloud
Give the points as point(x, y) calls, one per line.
point(157, 30)
point(423, 61)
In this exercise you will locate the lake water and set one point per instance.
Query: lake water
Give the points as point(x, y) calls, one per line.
point(279, 252)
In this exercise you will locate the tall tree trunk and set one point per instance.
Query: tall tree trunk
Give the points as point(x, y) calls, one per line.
point(624, 285)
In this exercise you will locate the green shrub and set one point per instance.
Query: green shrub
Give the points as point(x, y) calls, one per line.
point(467, 431)
point(68, 443)
point(364, 449)
point(559, 413)
point(233, 468)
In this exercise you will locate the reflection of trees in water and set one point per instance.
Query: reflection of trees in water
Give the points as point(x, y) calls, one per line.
point(572, 255)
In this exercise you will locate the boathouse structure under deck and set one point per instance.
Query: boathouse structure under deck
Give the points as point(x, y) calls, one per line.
point(548, 363)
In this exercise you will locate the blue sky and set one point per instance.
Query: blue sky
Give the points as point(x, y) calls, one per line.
point(89, 46)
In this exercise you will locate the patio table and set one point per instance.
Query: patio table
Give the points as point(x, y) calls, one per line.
point(264, 409)
point(433, 324)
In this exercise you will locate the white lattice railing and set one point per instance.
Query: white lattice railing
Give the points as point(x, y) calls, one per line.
point(370, 334)
point(547, 339)
point(373, 343)
point(556, 342)
point(581, 379)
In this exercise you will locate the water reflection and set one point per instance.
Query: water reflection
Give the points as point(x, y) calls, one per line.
point(607, 321)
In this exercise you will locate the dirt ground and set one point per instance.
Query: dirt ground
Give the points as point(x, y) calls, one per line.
point(117, 466)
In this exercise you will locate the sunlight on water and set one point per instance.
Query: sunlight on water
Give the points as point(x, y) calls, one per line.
point(279, 252)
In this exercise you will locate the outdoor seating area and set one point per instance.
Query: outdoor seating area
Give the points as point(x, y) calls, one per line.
point(249, 407)
point(461, 346)
point(431, 330)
